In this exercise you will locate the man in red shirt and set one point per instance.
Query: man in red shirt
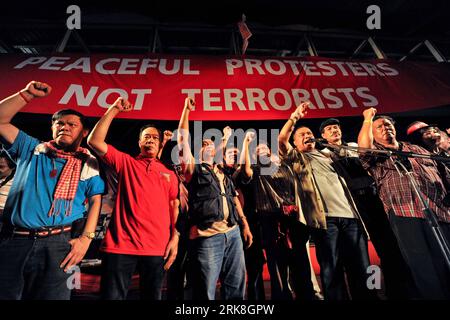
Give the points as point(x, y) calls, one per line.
point(142, 230)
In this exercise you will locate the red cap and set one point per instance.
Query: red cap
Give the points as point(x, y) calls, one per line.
point(413, 127)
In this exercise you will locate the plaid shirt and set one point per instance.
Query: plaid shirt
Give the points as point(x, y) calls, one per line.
point(395, 189)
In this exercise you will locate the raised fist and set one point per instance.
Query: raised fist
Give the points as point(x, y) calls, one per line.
point(250, 136)
point(122, 104)
point(189, 103)
point(167, 135)
point(369, 113)
point(301, 110)
point(38, 89)
point(227, 132)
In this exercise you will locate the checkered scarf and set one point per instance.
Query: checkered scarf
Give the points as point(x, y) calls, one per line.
point(67, 185)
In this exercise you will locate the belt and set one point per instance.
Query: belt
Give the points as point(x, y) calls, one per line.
point(41, 232)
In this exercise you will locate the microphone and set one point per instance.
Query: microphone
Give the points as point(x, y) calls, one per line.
point(317, 140)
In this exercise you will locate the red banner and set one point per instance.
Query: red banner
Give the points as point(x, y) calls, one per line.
point(226, 88)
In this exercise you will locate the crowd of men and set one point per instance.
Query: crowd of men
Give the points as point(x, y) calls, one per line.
point(220, 215)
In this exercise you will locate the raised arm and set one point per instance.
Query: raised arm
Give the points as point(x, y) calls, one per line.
point(167, 135)
point(96, 139)
point(13, 104)
point(286, 131)
point(249, 137)
point(187, 160)
point(365, 137)
point(221, 148)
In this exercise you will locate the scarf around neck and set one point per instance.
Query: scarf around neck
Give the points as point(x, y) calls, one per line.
point(67, 184)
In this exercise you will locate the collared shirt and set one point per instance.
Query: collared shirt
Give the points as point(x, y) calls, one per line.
point(343, 152)
point(444, 169)
point(141, 219)
point(309, 200)
point(396, 190)
point(271, 187)
point(335, 196)
point(31, 194)
point(313, 200)
point(349, 166)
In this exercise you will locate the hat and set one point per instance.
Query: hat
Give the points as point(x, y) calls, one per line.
point(417, 125)
point(328, 122)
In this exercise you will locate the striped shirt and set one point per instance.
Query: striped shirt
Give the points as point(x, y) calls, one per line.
point(396, 190)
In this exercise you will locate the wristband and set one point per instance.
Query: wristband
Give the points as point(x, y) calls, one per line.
point(367, 121)
point(24, 97)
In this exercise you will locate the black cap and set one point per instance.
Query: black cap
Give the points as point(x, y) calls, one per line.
point(328, 122)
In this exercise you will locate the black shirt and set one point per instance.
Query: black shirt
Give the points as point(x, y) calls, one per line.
point(270, 188)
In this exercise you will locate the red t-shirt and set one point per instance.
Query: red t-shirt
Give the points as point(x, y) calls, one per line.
point(140, 223)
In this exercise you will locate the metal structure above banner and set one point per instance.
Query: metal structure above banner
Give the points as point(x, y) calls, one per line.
point(282, 28)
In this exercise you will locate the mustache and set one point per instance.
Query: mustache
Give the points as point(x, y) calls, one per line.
point(147, 146)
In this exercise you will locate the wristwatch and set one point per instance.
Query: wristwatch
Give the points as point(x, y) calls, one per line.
point(89, 235)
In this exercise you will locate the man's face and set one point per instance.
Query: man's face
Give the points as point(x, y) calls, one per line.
point(231, 156)
point(68, 131)
point(262, 150)
point(431, 136)
point(332, 134)
point(263, 154)
point(5, 170)
point(383, 131)
point(149, 142)
point(208, 150)
point(301, 137)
